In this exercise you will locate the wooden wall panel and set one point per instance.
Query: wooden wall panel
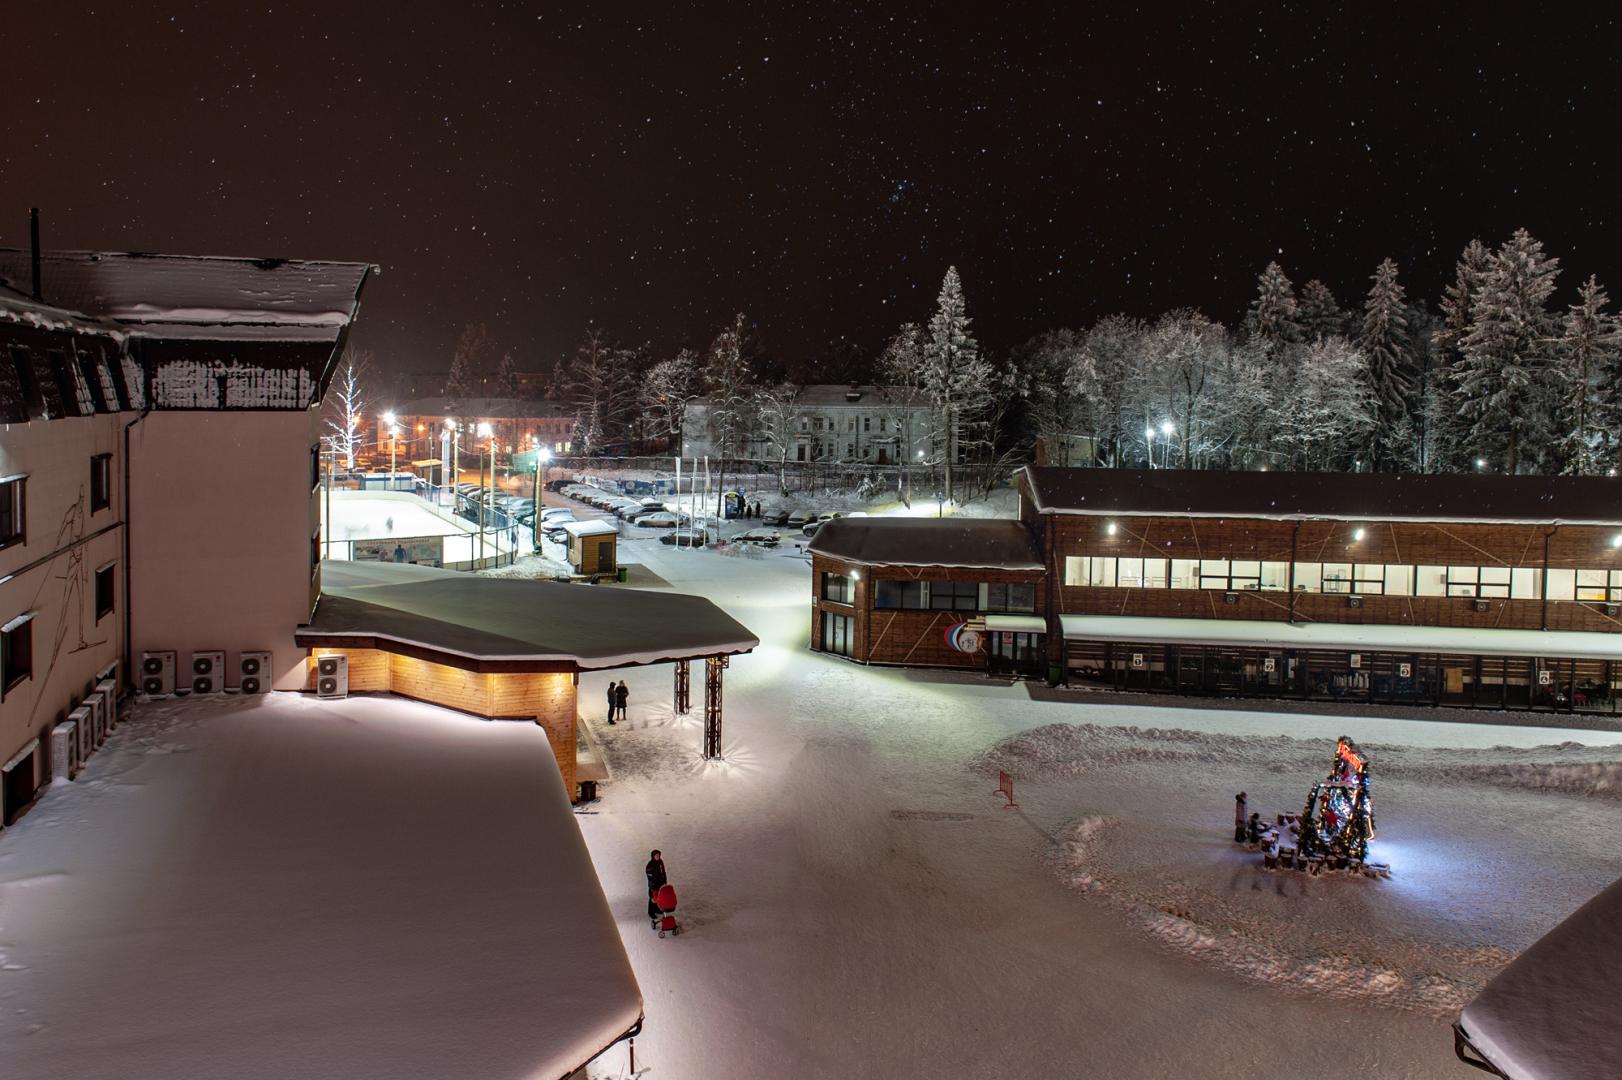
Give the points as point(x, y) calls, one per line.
point(368, 668)
point(452, 687)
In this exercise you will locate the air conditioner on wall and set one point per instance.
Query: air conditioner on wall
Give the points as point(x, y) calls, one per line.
point(85, 725)
point(332, 676)
point(97, 704)
point(108, 689)
point(1480, 605)
point(64, 751)
point(253, 672)
point(157, 673)
point(208, 672)
point(1354, 601)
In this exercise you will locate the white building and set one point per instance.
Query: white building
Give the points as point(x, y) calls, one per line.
point(159, 470)
point(872, 425)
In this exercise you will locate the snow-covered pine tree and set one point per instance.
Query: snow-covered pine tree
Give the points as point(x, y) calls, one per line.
point(901, 367)
point(1505, 377)
point(1274, 314)
point(1319, 313)
point(1385, 345)
point(598, 387)
point(505, 383)
point(1103, 379)
point(1588, 352)
point(1330, 410)
point(463, 380)
point(1458, 300)
point(728, 384)
point(955, 380)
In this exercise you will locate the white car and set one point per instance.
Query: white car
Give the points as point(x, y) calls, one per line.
point(657, 520)
point(557, 513)
point(763, 537)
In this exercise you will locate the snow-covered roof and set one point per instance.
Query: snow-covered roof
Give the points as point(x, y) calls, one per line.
point(966, 543)
point(198, 297)
point(466, 619)
point(843, 396)
point(1469, 497)
point(263, 887)
point(19, 307)
point(1349, 637)
point(590, 527)
point(1551, 1014)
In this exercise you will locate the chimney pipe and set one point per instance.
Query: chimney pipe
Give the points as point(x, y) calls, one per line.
point(33, 242)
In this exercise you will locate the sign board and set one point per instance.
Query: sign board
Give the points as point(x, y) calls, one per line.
point(1545, 678)
point(1357, 661)
point(965, 636)
point(422, 550)
point(1269, 665)
point(1405, 671)
point(1137, 660)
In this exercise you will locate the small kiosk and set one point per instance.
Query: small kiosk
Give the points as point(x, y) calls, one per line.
point(592, 546)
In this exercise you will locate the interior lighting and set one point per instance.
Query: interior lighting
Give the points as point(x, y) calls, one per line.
point(1357, 534)
point(1616, 541)
point(1110, 529)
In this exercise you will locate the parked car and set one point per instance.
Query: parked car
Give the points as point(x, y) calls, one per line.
point(684, 537)
point(798, 518)
point(775, 517)
point(763, 537)
point(557, 513)
point(657, 519)
point(810, 528)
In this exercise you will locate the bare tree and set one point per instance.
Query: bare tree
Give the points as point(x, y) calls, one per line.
point(902, 368)
point(667, 388)
point(728, 383)
point(346, 406)
point(776, 408)
point(598, 385)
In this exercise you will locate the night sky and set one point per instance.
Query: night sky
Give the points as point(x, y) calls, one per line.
point(816, 166)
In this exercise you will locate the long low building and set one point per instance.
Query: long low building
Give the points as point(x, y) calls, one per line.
point(1494, 591)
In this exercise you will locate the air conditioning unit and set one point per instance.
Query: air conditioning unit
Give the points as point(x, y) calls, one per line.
point(332, 676)
point(1480, 605)
point(108, 689)
point(253, 672)
point(65, 751)
point(85, 725)
point(1354, 601)
point(1610, 609)
point(1230, 598)
point(157, 674)
point(97, 704)
point(207, 672)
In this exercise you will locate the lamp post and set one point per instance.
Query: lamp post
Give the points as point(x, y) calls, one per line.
point(1149, 440)
point(1168, 429)
point(484, 433)
point(394, 446)
point(543, 454)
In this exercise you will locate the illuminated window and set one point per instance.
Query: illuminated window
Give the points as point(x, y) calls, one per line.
point(1337, 577)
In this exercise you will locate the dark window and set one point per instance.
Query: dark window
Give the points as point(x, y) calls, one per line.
point(94, 399)
point(13, 511)
point(836, 587)
point(16, 654)
point(22, 362)
point(56, 383)
point(1010, 597)
point(104, 592)
point(889, 593)
point(315, 466)
point(101, 482)
point(315, 553)
point(954, 595)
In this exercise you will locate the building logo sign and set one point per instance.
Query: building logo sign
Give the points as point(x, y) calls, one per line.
point(964, 637)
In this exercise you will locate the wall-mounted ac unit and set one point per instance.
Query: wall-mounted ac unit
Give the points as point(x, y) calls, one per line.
point(207, 672)
point(108, 689)
point(65, 751)
point(1610, 609)
point(158, 673)
point(1354, 601)
point(85, 725)
point(1230, 598)
point(253, 672)
point(332, 676)
point(1480, 605)
point(97, 704)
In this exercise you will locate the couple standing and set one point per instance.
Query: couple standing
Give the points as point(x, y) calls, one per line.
point(617, 695)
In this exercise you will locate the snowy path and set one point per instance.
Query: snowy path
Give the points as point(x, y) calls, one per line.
point(858, 905)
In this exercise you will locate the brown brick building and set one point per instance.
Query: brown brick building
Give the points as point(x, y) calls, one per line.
point(941, 593)
point(1492, 591)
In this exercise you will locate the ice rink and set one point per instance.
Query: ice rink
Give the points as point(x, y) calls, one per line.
point(362, 519)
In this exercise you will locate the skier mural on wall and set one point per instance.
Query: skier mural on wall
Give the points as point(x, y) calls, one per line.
point(1338, 821)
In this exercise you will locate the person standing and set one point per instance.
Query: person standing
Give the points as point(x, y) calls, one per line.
point(656, 880)
point(620, 696)
point(613, 699)
point(1239, 818)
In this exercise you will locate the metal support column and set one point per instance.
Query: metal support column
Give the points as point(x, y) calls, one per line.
point(684, 686)
point(713, 666)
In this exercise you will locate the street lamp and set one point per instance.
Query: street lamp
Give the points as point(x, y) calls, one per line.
point(483, 494)
point(542, 456)
point(1168, 429)
point(1149, 438)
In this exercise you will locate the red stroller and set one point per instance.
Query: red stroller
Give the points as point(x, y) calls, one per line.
point(666, 899)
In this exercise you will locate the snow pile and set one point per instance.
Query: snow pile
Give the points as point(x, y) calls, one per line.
point(532, 568)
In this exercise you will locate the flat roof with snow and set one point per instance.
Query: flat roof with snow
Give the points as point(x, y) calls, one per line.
point(1470, 497)
point(956, 543)
point(591, 527)
point(263, 887)
point(1349, 637)
point(504, 624)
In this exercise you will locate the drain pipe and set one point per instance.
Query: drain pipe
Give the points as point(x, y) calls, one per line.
point(129, 643)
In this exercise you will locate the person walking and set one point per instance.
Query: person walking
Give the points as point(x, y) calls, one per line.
point(613, 699)
point(620, 696)
point(656, 880)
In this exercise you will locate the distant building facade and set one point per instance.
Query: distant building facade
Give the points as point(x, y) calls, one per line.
point(517, 426)
point(872, 425)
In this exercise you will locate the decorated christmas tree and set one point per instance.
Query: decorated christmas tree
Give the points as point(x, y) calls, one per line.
point(1338, 822)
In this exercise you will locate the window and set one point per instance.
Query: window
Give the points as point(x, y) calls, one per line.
point(836, 587)
point(1213, 573)
point(1430, 581)
point(837, 631)
point(1010, 597)
point(1562, 585)
point(1129, 573)
point(1463, 580)
point(1185, 574)
point(1337, 577)
point(101, 482)
point(104, 592)
point(892, 594)
point(1276, 575)
point(867, 424)
point(13, 511)
point(1494, 581)
point(1524, 582)
point(315, 466)
point(16, 653)
point(1368, 579)
point(1075, 570)
point(1399, 579)
point(28, 382)
point(315, 553)
point(954, 595)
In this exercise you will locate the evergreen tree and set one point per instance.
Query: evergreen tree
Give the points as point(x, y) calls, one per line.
point(1504, 377)
point(1459, 298)
point(1385, 345)
point(1320, 313)
point(505, 383)
point(1588, 351)
point(1330, 409)
point(1274, 315)
point(728, 383)
point(463, 380)
point(598, 387)
point(955, 380)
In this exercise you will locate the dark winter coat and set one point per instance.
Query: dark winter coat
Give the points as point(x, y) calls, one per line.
point(621, 695)
point(656, 875)
point(613, 694)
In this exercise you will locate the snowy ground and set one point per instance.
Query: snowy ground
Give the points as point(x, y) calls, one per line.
point(282, 887)
point(858, 904)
